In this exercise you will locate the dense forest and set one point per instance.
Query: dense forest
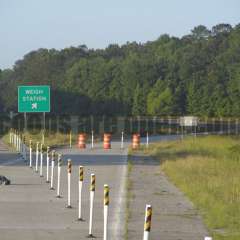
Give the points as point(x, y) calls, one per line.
point(198, 74)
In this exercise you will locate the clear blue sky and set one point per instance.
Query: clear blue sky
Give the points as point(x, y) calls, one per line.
point(27, 25)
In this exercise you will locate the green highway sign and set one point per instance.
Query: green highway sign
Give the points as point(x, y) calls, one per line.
point(34, 98)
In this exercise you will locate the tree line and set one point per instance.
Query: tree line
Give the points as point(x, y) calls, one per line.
point(197, 74)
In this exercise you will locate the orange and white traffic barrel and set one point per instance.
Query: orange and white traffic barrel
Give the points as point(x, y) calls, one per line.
point(107, 141)
point(136, 141)
point(82, 140)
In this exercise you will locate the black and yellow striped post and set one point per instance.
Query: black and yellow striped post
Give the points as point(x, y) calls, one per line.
point(105, 211)
point(52, 168)
point(92, 192)
point(47, 162)
point(80, 184)
point(60, 162)
point(147, 223)
point(69, 170)
point(93, 182)
point(41, 160)
point(30, 153)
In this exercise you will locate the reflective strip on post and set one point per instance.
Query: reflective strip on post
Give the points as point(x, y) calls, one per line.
point(93, 183)
point(106, 195)
point(69, 166)
point(80, 193)
point(81, 173)
point(147, 224)
point(105, 211)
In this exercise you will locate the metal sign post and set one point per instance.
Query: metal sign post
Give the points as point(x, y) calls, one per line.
point(25, 122)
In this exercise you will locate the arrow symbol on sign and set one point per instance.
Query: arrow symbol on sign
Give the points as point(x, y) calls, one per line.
point(34, 105)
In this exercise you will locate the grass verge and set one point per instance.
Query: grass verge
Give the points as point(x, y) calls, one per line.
point(207, 170)
point(50, 139)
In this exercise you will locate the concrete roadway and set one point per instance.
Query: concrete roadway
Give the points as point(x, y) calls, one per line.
point(29, 210)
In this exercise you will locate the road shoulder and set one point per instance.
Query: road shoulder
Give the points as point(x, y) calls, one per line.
point(174, 216)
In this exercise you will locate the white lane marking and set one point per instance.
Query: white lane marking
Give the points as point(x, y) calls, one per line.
point(118, 223)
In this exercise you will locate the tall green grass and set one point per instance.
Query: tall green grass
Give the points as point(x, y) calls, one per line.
point(207, 170)
point(51, 139)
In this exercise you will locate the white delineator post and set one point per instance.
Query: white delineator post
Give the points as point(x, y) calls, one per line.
point(22, 145)
point(80, 184)
point(41, 160)
point(18, 149)
point(47, 167)
point(52, 169)
point(122, 140)
point(19, 143)
point(14, 139)
point(208, 238)
point(105, 211)
point(147, 223)
point(24, 148)
point(30, 153)
point(59, 174)
point(92, 139)
point(13, 136)
point(69, 171)
point(70, 139)
point(147, 140)
point(37, 154)
point(43, 137)
point(10, 136)
point(92, 192)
